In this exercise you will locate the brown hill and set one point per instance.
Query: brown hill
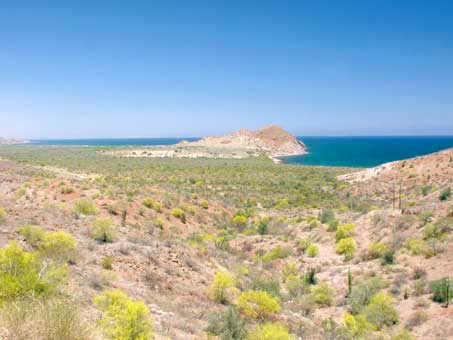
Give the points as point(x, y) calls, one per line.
point(271, 139)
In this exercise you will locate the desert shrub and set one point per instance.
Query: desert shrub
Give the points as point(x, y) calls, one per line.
point(281, 204)
point(362, 293)
point(157, 223)
point(42, 319)
point(289, 268)
point(124, 318)
point(416, 319)
point(85, 207)
point(158, 206)
point(312, 250)
point(271, 286)
point(381, 311)
point(23, 274)
point(304, 244)
point(326, 215)
point(347, 247)
point(425, 217)
point(227, 325)
point(357, 325)
point(377, 250)
point(34, 235)
point(221, 287)
point(332, 225)
point(3, 215)
point(204, 204)
point(239, 221)
point(323, 294)
point(269, 331)
point(304, 304)
point(389, 257)
point(310, 276)
point(403, 335)
point(344, 231)
point(257, 304)
point(59, 246)
point(148, 202)
point(66, 190)
point(445, 195)
point(276, 253)
point(438, 290)
point(263, 227)
point(103, 229)
point(434, 231)
point(417, 246)
point(179, 214)
point(107, 262)
point(295, 285)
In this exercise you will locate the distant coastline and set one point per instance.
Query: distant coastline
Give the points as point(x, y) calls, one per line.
point(355, 151)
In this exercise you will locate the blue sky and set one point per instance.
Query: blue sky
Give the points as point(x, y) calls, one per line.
point(71, 69)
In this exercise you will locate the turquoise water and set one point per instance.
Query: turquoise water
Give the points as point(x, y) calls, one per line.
point(328, 151)
point(366, 151)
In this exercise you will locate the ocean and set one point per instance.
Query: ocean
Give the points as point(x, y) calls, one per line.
point(358, 152)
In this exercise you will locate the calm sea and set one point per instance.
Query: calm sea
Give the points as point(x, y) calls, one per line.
point(328, 151)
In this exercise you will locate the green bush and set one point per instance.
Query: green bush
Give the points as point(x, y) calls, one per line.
point(363, 292)
point(44, 319)
point(179, 214)
point(23, 274)
point(403, 335)
point(107, 262)
point(326, 216)
point(221, 288)
point(239, 221)
point(34, 235)
point(381, 311)
point(418, 247)
point(263, 227)
point(276, 253)
point(66, 190)
point(377, 250)
point(344, 231)
point(347, 247)
point(269, 331)
point(227, 326)
point(103, 229)
point(204, 204)
point(357, 325)
point(295, 285)
point(312, 250)
point(85, 207)
point(271, 286)
point(445, 194)
point(59, 246)
point(304, 244)
point(257, 304)
point(323, 294)
point(438, 290)
point(124, 318)
point(289, 268)
point(148, 202)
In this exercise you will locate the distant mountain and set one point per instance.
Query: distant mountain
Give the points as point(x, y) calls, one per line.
point(271, 139)
point(9, 141)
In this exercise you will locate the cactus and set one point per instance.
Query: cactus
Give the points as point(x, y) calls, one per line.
point(447, 292)
point(349, 282)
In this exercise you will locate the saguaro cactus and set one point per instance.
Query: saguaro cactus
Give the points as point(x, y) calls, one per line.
point(349, 282)
point(447, 293)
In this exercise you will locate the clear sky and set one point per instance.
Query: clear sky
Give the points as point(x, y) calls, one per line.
point(72, 69)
